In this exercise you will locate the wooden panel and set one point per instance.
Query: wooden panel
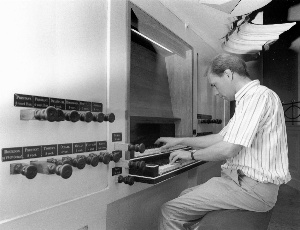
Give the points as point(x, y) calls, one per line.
point(149, 87)
point(180, 82)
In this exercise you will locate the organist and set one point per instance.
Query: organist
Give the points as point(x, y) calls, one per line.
point(253, 143)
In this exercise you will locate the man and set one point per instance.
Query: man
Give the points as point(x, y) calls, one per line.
point(253, 143)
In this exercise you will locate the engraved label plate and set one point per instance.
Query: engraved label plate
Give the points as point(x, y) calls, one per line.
point(23, 100)
point(11, 154)
point(85, 106)
point(49, 150)
point(96, 107)
point(101, 145)
point(64, 149)
point(32, 152)
point(116, 171)
point(79, 147)
point(58, 103)
point(40, 102)
point(116, 137)
point(90, 146)
point(72, 105)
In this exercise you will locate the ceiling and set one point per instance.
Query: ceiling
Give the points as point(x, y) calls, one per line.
point(212, 22)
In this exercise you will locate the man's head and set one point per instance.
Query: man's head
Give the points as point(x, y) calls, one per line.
point(226, 74)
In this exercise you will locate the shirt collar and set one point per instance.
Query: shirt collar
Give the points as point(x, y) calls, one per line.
point(245, 89)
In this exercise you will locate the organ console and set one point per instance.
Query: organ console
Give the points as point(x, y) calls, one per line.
point(152, 166)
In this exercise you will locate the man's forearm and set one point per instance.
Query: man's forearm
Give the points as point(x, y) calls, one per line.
point(217, 152)
point(201, 142)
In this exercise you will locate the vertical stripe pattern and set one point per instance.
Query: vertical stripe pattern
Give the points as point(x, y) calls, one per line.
point(259, 126)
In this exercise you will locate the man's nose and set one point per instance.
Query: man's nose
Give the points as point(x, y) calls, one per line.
point(215, 92)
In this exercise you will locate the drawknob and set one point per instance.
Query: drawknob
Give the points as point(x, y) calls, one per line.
point(29, 171)
point(109, 117)
point(99, 117)
point(49, 114)
point(72, 116)
point(86, 116)
point(60, 115)
point(65, 171)
point(79, 162)
point(104, 157)
point(115, 156)
point(126, 180)
point(92, 159)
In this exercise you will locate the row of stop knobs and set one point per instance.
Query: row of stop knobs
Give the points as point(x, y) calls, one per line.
point(62, 167)
point(54, 114)
point(209, 121)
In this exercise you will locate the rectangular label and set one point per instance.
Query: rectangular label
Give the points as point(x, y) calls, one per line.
point(40, 102)
point(116, 137)
point(101, 145)
point(11, 154)
point(23, 100)
point(97, 107)
point(116, 171)
point(72, 105)
point(58, 103)
point(79, 147)
point(85, 106)
point(91, 146)
point(49, 150)
point(32, 152)
point(64, 149)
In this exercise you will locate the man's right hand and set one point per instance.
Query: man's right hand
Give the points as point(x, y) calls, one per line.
point(168, 141)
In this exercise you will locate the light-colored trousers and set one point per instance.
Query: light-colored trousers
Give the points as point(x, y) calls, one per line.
point(230, 191)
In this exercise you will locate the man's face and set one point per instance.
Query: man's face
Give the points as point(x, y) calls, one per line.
point(222, 86)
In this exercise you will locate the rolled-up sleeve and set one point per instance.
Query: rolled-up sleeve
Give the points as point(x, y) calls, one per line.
point(245, 122)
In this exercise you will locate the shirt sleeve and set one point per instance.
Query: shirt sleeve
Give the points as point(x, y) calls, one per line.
point(246, 119)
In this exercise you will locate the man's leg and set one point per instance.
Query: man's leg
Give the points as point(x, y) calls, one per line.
point(218, 193)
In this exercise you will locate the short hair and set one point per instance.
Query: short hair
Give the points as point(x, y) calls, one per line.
point(227, 61)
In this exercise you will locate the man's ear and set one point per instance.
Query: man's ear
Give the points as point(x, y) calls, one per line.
point(229, 74)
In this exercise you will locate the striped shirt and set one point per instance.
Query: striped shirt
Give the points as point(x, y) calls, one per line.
point(258, 125)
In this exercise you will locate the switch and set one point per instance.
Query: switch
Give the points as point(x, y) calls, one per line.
point(29, 171)
point(109, 117)
point(72, 116)
point(44, 167)
point(126, 180)
point(86, 116)
point(99, 117)
point(104, 157)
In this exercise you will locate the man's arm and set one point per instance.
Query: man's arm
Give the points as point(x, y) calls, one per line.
point(195, 142)
point(217, 152)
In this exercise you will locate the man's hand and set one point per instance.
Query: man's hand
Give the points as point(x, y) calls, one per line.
point(179, 155)
point(169, 142)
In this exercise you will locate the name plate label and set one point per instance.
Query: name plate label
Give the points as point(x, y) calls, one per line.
point(79, 147)
point(49, 150)
point(10, 154)
point(23, 100)
point(101, 145)
point(96, 107)
point(32, 152)
point(116, 137)
point(85, 106)
point(58, 103)
point(72, 105)
point(91, 146)
point(64, 149)
point(40, 102)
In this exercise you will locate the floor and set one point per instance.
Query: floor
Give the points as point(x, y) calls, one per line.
point(286, 213)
